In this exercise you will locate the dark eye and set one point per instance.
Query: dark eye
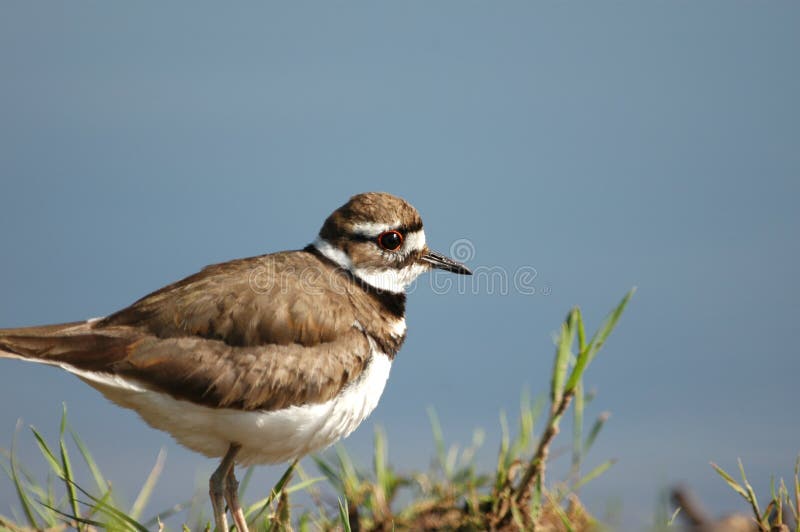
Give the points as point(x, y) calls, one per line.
point(390, 240)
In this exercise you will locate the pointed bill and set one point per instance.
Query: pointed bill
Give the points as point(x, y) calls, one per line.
point(441, 262)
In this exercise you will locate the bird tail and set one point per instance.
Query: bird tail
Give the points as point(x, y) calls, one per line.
point(76, 344)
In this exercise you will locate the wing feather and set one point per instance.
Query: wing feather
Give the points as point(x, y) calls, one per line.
point(223, 337)
point(270, 299)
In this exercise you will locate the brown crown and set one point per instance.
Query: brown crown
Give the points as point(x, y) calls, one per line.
point(371, 207)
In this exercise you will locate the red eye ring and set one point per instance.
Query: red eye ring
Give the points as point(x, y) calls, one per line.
point(390, 240)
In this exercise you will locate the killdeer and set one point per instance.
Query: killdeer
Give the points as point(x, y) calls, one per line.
point(263, 359)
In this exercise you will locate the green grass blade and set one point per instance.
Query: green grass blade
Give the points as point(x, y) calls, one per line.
point(503, 459)
point(594, 473)
point(105, 499)
point(348, 470)
point(25, 502)
point(562, 515)
point(344, 515)
point(66, 464)
point(149, 484)
point(328, 470)
point(48, 455)
point(304, 523)
point(382, 473)
point(300, 486)
point(33, 491)
point(527, 420)
point(566, 338)
point(751, 496)
point(452, 460)
point(97, 475)
point(597, 341)
point(581, 363)
point(70, 519)
point(516, 517)
point(536, 499)
point(276, 490)
point(671, 520)
point(729, 479)
point(602, 334)
point(102, 505)
point(468, 456)
point(580, 331)
point(166, 514)
point(595, 431)
point(248, 476)
point(438, 440)
point(280, 521)
point(304, 484)
point(536, 410)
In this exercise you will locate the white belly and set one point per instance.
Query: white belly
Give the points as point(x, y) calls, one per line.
point(265, 437)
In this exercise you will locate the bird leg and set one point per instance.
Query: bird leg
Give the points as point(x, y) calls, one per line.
point(232, 498)
point(217, 488)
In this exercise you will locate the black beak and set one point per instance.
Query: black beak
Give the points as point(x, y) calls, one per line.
point(437, 260)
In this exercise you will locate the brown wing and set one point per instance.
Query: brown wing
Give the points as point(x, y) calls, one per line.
point(208, 372)
point(225, 337)
point(271, 299)
point(264, 377)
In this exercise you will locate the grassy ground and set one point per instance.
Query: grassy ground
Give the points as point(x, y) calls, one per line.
point(517, 495)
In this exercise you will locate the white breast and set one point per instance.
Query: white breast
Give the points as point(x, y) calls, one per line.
point(265, 437)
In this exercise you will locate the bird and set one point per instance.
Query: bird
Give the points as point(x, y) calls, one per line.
point(262, 359)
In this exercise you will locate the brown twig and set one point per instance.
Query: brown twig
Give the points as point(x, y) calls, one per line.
point(536, 467)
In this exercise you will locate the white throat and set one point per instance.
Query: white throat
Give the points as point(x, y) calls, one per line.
point(394, 280)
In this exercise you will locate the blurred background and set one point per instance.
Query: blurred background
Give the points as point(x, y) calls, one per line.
point(591, 146)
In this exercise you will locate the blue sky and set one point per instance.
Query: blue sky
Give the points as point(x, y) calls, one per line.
point(603, 144)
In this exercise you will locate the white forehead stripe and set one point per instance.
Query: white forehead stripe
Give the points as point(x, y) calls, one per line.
point(372, 228)
point(414, 240)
